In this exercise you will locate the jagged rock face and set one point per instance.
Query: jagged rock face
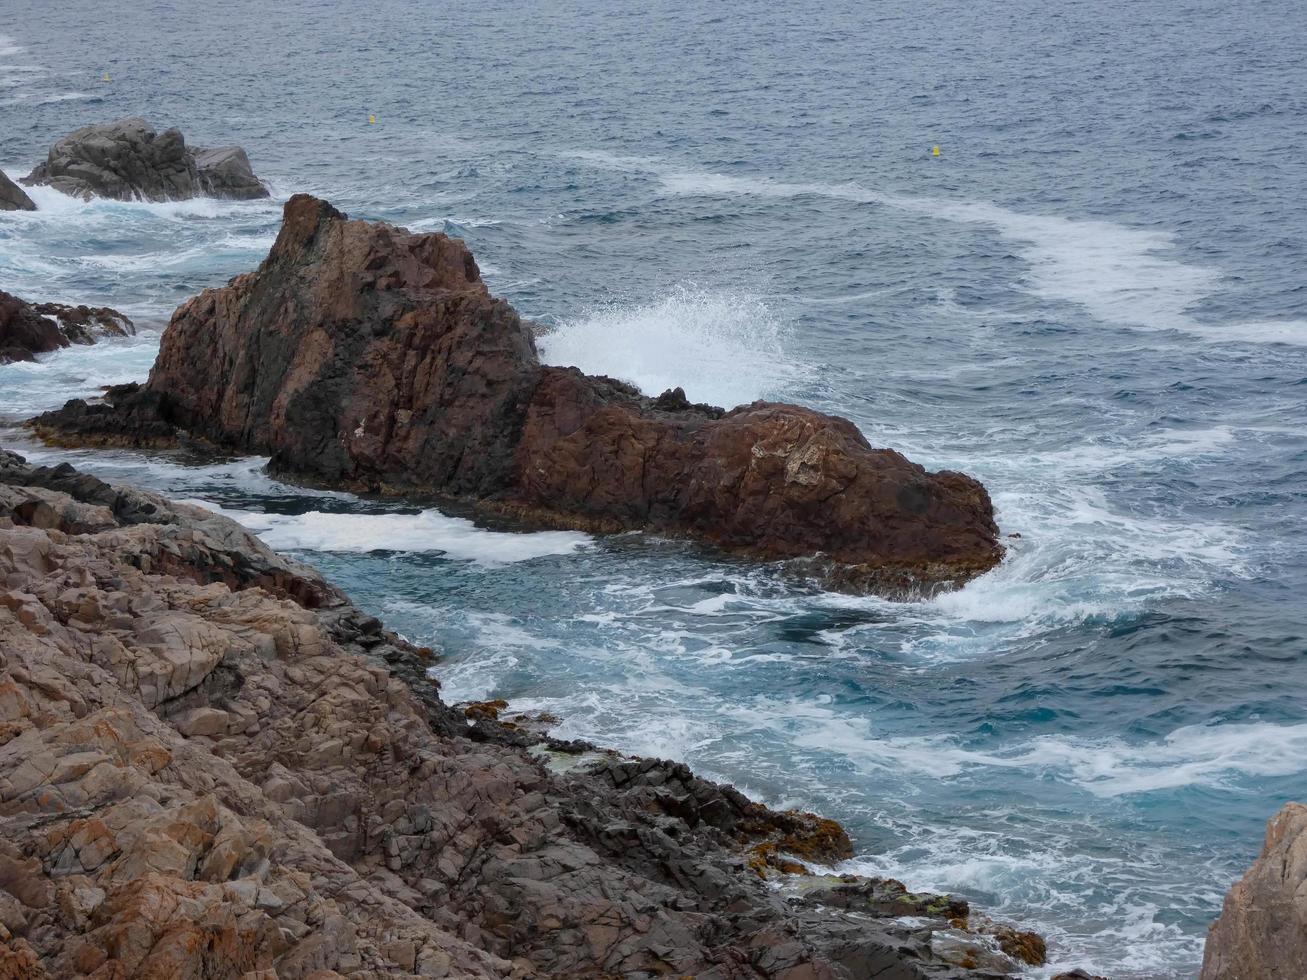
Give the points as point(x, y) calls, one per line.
point(28, 329)
point(357, 353)
point(127, 160)
point(365, 356)
point(1261, 933)
point(13, 197)
point(211, 764)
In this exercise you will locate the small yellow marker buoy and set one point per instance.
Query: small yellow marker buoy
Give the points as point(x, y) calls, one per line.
point(372, 120)
point(934, 151)
point(106, 76)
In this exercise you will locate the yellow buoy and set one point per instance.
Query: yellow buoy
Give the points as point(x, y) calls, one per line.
point(372, 120)
point(106, 76)
point(934, 151)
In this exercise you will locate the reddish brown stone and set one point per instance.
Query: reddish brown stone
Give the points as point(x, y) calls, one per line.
point(364, 356)
point(27, 329)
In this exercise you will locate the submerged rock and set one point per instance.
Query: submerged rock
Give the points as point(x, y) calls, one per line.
point(28, 329)
point(1261, 933)
point(361, 355)
point(212, 764)
point(128, 160)
point(13, 197)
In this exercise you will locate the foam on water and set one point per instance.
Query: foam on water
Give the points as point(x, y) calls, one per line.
point(70, 250)
point(722, 348)
point(426, 531)
point(1122, 275)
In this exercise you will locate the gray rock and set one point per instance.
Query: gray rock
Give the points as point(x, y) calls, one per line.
point(225, 171)
point(13, 197)
point(128, 160)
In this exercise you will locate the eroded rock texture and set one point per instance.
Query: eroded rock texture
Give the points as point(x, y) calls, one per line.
point(212, 765)
point(364, 356)
point(128, 160)
point(1262, 930)
point(28, 329)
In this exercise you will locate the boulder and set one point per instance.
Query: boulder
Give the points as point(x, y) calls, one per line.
point(13, 197)
point(28, 329)
point(128, 160)
point(1261, 933)
point(226, 172)
point(367, 357)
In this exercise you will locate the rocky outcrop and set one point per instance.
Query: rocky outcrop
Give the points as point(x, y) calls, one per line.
point(28, 329)
point(127, 160)
point(212, 765)
point(13, 197)
point(364, 356)
point(1261, 933)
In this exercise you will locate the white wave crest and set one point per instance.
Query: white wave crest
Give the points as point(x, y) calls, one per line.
point(1123, 275)
point(722, 348)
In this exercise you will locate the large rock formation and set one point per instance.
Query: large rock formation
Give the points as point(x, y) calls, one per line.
point(1262, 930)
point(212, 765)
point(13, 197)
point(28, 329)
point(127, 160)
point(364, 356)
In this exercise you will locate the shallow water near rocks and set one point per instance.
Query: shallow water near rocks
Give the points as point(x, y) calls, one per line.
point(1092, 300)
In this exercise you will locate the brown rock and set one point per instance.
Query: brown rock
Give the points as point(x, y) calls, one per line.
point(27, 329)
point(221, 768)
point(364, 356)
point(1261, 933)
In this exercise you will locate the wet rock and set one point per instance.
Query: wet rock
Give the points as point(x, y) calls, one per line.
point(13, 197)
point(128, 160)
point(212, 764)
point(28, 329)
point(361, 355)
point(1262, 930)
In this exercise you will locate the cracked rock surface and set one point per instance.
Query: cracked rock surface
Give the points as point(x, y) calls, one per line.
point(213, 765)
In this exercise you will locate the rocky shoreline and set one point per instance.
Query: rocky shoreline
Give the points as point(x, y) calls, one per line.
point(213, 764)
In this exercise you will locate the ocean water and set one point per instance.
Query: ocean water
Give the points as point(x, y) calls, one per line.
point(1093, 300)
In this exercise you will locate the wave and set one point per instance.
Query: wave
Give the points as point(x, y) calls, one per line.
point(721, 347)
point(1121, 275)
point(426, 532)
point(1210, 756)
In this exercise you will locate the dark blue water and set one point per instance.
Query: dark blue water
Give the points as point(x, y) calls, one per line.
point(1093, 299)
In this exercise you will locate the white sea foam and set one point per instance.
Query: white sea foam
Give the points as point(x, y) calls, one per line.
point(427, 531)
point(1123, 275)
point(722, 348)
point(1210, 755)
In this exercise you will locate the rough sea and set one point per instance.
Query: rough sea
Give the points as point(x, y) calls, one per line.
point(1094, 299)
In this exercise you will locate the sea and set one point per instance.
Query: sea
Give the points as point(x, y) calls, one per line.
point(1093, 298)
